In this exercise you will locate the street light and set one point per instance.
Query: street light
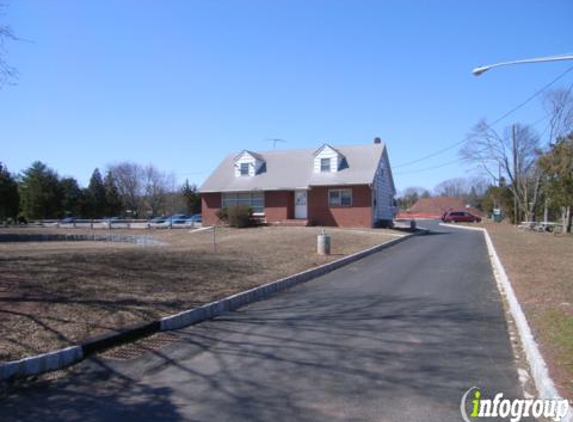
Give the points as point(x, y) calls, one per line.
point(479, 70)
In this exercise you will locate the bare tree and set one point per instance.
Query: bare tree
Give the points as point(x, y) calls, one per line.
point(143, 190)
point(470, 189)
point(157, 185)
point(559, 106)
point(128, 180)
point(410, 196)
point(513, 157)
point(7, 72)
point(455, 188)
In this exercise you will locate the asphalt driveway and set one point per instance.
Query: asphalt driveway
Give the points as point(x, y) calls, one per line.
point(398, 336)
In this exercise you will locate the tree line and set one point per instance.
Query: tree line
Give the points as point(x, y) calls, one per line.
point(126, 190)
point(472, 190)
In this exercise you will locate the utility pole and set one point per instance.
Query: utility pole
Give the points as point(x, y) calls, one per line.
point(515, 176)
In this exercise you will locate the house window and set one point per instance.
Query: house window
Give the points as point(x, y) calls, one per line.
point(324, 165)
point(255, 200)
point(340, 197)
point(244, 169)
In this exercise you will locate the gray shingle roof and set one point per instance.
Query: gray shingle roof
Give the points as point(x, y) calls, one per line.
point(294, 169)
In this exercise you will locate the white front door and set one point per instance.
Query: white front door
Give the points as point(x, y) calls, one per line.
point(300, 204)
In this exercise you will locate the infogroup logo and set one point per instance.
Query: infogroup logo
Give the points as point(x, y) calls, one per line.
point(511, 409)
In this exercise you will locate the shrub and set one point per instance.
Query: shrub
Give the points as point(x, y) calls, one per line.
point(222, 214)
point(239, 216)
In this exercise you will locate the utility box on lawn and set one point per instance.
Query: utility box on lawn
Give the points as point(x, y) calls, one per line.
point(323, 243)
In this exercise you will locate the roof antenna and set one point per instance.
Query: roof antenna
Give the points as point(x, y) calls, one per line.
point(274, 141)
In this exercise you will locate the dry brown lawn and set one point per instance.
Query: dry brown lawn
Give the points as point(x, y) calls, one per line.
point(53, 294)
point(540, 267)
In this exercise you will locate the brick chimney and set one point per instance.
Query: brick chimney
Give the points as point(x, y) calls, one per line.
point(377, 140)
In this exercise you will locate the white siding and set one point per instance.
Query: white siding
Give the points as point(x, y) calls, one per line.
point(383, 191)
point(327, 152)
point(246, 158)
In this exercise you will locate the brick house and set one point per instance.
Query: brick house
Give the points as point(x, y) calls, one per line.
point(348, 186)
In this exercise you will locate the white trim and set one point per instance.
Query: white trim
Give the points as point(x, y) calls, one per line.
point(543, 382)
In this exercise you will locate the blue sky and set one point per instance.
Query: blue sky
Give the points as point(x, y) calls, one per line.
point(180, 83)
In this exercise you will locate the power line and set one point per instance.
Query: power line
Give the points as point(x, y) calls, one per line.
point(531, 97)
point(459, 160)
point(429, 168)
point(499, 119)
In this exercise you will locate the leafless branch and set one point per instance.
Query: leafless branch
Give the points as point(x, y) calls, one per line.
point(7, 72)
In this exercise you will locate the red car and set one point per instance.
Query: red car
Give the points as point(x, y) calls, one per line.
point(460, 217)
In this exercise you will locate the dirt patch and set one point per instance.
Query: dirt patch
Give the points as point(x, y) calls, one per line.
point(540, 267)
point(53, 294)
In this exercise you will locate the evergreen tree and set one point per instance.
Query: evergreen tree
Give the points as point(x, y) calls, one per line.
point(72, 197)
point(112, 198)
point(192, 197)
point(558, 167)
point(96, 196)
point(40, 192)
point(9, 196)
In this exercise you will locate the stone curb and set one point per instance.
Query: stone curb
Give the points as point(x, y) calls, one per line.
point(46, 362)
point(60, 359)
point(74, 237)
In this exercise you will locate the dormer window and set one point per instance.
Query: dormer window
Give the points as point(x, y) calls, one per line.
point(327, 159)
point(248, 164)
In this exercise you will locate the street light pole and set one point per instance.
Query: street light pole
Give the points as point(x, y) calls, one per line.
point(479, 70)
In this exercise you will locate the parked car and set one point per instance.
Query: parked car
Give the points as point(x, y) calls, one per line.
point(68, 220)
point(176, 220)
point(154, 222)
point(460, 217)
point(109, 222)
point(196, 218)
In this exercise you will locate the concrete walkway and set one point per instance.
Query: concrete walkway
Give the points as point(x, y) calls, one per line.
point(398, 336)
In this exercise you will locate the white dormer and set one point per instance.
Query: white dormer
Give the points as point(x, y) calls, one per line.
point(248, 164)
point(327, 160)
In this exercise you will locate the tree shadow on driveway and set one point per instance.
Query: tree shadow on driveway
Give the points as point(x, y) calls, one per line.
point(297, 357)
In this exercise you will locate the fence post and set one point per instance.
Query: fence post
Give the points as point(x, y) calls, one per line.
point(214, 238)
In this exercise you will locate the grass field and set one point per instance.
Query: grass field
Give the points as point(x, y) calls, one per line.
point(53, 294)
point(540, 267)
